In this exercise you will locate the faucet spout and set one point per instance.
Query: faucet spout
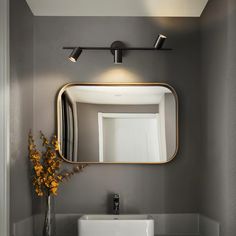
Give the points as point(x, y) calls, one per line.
point(116, 204)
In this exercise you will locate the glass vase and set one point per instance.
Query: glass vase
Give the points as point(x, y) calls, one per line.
point(49, 228)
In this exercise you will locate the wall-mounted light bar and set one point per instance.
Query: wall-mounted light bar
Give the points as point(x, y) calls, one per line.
point(118, 48)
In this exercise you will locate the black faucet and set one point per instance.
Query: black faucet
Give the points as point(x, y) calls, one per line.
point(116, 204)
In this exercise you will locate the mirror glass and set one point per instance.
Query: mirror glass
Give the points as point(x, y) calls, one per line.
point(107, 123)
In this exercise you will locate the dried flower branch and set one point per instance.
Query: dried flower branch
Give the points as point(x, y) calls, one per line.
point(47, 164)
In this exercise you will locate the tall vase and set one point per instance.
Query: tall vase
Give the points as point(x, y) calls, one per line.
point(49, 228)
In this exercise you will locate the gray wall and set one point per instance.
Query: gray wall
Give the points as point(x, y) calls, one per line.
point(218, 175)
point(166, 188)
point(21, 73)
point(88, 145)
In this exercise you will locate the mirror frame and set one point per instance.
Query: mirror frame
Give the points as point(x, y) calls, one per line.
point(58, 132)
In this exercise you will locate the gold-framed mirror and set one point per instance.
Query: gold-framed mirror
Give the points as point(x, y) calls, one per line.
point(124, 123)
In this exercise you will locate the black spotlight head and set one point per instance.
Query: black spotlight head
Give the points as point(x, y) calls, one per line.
point(117, 50)
point(118, 56)
point(160, 41)
point(75, 54)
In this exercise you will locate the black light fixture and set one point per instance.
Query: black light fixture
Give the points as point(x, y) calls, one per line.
point(160, 41)
point(118, 49)
point(75, 54)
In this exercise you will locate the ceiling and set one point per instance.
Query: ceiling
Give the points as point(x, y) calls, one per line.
point(140, 95)
point(149, 8)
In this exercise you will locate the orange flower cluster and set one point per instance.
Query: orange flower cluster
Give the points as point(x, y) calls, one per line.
point(46, 166)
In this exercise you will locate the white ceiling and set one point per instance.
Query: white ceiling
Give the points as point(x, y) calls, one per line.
point(122, 95)
point(168, 8)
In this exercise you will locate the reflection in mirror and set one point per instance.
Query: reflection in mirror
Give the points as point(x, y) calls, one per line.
point(108, 123)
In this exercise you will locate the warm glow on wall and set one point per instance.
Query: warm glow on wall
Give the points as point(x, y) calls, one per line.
point(118, 75)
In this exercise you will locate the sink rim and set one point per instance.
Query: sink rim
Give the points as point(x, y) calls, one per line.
point(121, 217)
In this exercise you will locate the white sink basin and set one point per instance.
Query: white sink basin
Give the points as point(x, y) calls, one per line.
point(116, 225)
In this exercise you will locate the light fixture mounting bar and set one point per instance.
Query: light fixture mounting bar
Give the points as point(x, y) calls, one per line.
point(118, 49)
point(125, 48)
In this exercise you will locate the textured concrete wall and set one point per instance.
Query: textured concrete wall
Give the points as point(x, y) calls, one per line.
point(166, 188)
point(21, 79)
point(218, 199)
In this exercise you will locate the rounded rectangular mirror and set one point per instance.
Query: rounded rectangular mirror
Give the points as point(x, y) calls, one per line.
point(117, 123)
